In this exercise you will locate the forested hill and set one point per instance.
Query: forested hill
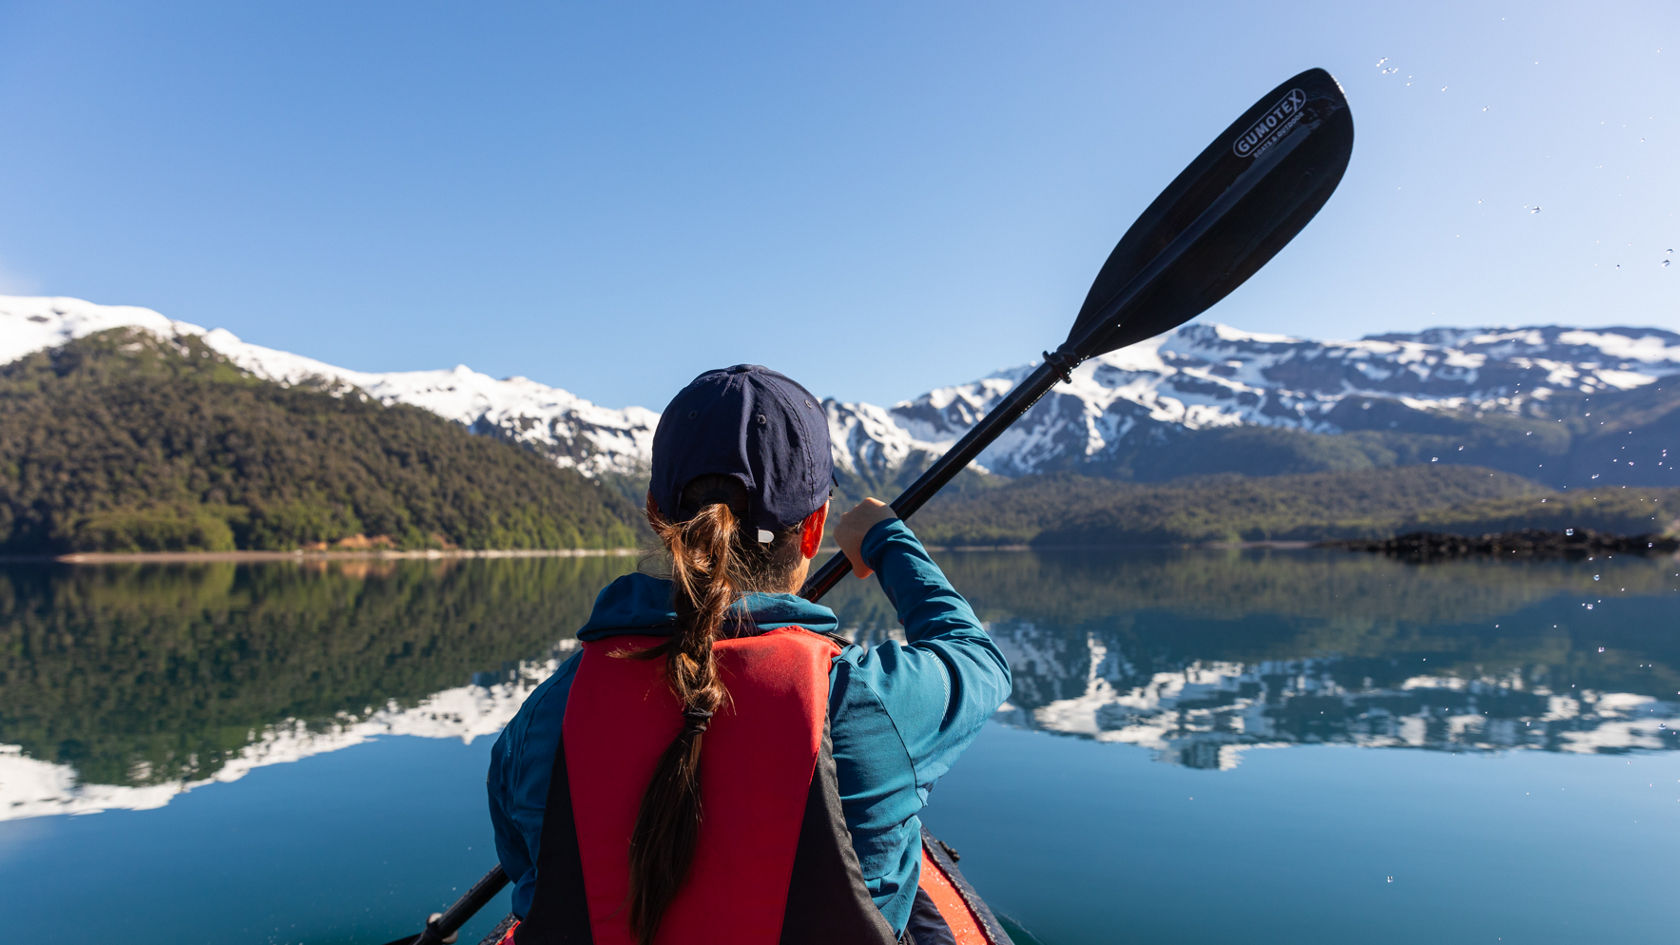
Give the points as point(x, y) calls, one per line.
point(124, 441)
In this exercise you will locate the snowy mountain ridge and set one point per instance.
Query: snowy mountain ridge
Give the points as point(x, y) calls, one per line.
point(574, 431)
point(1198, 377)
point(1203, 376)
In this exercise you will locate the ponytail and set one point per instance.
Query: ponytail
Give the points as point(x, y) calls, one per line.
point(668, 825)
point(711, 566)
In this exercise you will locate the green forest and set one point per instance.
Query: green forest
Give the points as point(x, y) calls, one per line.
point(125, 442)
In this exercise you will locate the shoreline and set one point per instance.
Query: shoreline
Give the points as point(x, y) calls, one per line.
point(438, 554)
point(207, 557)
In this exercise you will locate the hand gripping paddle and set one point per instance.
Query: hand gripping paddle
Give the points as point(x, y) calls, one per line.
point(1215, 225)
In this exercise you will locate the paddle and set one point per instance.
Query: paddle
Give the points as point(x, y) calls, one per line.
point(1215, 225)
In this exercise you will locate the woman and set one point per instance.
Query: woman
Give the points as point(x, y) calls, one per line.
point(714, 766)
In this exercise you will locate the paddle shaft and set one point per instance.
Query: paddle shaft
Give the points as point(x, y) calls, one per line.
point(1058, 365)
point(440, 927)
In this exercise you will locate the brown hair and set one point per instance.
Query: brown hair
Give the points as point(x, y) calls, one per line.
point(713, 562)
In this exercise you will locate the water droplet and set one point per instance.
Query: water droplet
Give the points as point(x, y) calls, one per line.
point(1601, 649)
point(1666, 262)
point(1597, 576)
point(1391, 879)
point(1534, 209)
point(1382, 62)
point(1434, 459)
point(1569, 531)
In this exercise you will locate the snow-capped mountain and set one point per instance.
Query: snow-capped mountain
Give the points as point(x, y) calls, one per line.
point(1196, 378)
point(568, 428)
point(1204, 376)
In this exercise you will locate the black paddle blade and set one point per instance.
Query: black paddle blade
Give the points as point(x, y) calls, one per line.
point(1223, 218)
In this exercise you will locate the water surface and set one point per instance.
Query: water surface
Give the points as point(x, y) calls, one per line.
point(1200, 747)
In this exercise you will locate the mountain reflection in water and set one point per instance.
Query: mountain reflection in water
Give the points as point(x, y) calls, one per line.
point(1199, 655)
point(121, 686)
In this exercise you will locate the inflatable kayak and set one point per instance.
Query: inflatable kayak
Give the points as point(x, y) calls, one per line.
point(947, 912)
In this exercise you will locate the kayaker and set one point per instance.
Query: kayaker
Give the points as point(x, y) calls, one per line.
point(709, 692)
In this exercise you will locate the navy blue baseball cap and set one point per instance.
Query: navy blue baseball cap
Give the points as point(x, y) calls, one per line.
point(755, 425)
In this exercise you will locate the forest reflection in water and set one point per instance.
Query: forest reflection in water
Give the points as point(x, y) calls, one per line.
point(160, 676)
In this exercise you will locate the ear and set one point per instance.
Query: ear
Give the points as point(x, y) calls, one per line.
point(811, 530)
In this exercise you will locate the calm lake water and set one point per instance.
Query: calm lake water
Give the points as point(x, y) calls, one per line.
point(1264, 747)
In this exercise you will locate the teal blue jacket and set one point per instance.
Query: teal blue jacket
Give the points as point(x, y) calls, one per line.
point(900, 713)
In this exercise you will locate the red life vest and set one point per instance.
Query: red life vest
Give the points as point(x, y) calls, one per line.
point(774, 863)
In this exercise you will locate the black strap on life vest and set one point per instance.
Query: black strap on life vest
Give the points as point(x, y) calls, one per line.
point(827, 900)
point(559, 915)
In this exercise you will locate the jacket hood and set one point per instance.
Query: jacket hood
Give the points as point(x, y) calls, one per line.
point(641, 604)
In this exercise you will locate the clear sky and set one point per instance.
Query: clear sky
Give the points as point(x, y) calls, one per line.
point(877, 198)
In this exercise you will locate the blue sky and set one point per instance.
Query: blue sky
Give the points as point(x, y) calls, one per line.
point(877, 198)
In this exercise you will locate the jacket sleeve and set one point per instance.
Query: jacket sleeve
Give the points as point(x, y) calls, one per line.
point(521, 763)
point(946, 680)
point(511, 852)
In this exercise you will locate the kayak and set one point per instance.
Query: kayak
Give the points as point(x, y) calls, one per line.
point(962, 917)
